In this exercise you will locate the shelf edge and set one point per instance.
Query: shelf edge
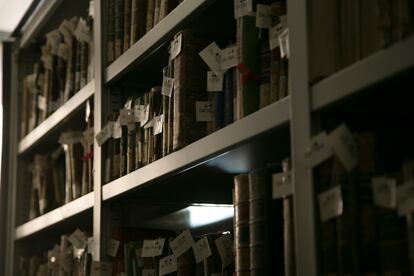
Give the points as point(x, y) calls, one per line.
point(380, 66)
point(270, 117)
point(55, 216)
point(53, 120)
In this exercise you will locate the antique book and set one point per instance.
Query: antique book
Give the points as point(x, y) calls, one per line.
point(190, 78)
point(139, 137)
point(229, 94)
point(127, 24)
point(157, 111)
point(111, 31)
point(138, 19)
point(264, 89)
point(150, 15)
point(119, 28)
point(116, 157)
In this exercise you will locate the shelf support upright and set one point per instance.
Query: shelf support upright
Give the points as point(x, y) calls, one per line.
point(99, 101)
point(10, 261)
point(305, 230)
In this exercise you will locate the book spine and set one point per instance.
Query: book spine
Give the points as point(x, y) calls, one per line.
point(229, 96)
point(132, 132)
point(119, 28)
point(138, 19)
point(123, 151)
point(218, 110)
point(265, 95)
point(79, 54)
point(111, 31)
point(157, 11)
point(127, 24)
point(165, 130)
point(84, 64)
point(150, 15)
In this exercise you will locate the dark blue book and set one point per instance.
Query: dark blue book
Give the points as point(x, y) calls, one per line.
point(229, 87)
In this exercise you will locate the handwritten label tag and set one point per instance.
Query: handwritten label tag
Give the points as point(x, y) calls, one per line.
point(284, 44)
point(405, 198)
point(90, 245)
point(149, 272)
point(274, 33)
point(126, 116)
point(212, 57)
point(229, 58)
point(82, 32)
point(105, 133)
point(182, 243)
point(70, 137)
point(167, 86)
point(63, 51)
point(78, 239)
point(101, 268)
point(263, 16)
point(343, 144)
point(202, 250)
point(176, 46)
point(331, 203)
point(145, 115)
point(158, 124)
point(214, 81)
point(88, 134)
point(319, 150)
point(224, 246)
point(117, 130)
point(282, 185)
point(167, 265)
point(113, 246)
point(138, 111)
point(242, 8)
point(385, 192)
point(41, 103)
point(204, 111)
point(152, 248)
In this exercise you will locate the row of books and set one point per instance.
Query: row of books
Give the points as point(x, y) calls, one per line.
point(345, 31)
point(70, 257)
point(129, 20)
point(65, 66)
point(63, 174)
point(263, 222)
point(196, 97)
point(159, 252)
point(364, 213)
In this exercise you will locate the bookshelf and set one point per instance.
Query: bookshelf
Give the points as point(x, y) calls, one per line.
point(201, 173)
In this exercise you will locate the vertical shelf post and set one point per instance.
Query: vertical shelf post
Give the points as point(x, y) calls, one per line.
point(305, 233)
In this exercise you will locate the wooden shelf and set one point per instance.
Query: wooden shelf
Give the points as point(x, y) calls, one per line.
point(55, 216)
point(56, 118)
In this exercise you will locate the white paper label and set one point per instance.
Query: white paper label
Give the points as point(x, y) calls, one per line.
point(149, 124)
point(263, 16)
point(101, 268)
point(405, 198)
point(282, 185)
point(224, 246)
point(91, 9)
point(176, 46)
point(78, 239)
point(90, 245)
point(182, 243)
point(117, 130)
point(138, 111)
point(331, 203)
point(343, 144)
point(105, 133)
point(145, 115)
point(167, 265)
point(274, 33)
point(88, 134)
point(158, 124)
point(82, 32)
point(284, 44)
point(41, 103)
point(149, 272)
point(242, 8)
point(201, 250)
point(229, 58)
point(152, 248)
point(214, 81)
point(385, 192)
point(63, 51)
point(167, 86)
point(212, 57)
point(126, 116)
point(70, 137)
point(319, 150)
point(113, 246)
point(204, 112)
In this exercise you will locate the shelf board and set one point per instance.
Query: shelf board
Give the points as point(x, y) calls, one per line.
point(37, 20)
point(55, 216)
point(365, 73)
point(161, 32)
point(56, 118)
point(206, 149)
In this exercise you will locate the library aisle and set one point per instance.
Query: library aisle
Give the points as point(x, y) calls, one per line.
point(207, 138)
